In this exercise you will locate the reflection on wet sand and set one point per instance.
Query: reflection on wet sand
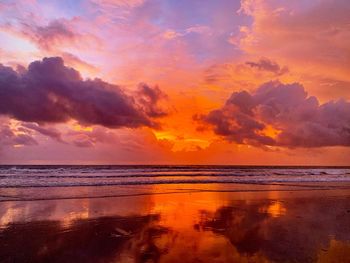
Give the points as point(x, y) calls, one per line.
point(311, 230)
point(187, 227)
point(87, 240)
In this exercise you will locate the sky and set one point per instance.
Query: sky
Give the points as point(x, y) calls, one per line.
point(250, 82)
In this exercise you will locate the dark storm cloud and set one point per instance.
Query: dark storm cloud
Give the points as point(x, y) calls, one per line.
point(50, 92)
point(300, 120)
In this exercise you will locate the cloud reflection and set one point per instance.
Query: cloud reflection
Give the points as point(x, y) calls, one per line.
point(262, 230)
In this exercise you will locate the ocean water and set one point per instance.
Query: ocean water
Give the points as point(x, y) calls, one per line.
point(24, 176)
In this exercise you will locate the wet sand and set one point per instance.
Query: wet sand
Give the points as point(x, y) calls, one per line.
point(308, 222)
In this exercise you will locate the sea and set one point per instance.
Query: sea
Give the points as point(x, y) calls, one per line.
point(31, 176)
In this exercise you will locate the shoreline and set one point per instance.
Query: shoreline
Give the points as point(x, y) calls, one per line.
point(303, 188)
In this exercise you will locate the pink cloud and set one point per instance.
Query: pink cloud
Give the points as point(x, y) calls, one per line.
point(53, 34)
point(300, 121)
point(119, 3)
point(313, 36)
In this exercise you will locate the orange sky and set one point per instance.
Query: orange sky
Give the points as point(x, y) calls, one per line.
point(219, 82)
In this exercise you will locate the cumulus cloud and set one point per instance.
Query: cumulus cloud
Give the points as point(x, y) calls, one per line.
point(279, 114)
point(49, 92)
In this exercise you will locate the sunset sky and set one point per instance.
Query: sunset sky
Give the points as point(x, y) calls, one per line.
point(175, 82)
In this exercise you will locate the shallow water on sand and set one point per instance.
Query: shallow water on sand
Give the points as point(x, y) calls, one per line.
point(290, 222)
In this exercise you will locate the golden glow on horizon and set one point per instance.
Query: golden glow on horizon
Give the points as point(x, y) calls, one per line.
point(163, 135)
point(271, 132)
point(78, 127)
point(181, 143)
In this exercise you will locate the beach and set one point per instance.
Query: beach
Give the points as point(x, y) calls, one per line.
point(216, 222)
point(174, 131)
